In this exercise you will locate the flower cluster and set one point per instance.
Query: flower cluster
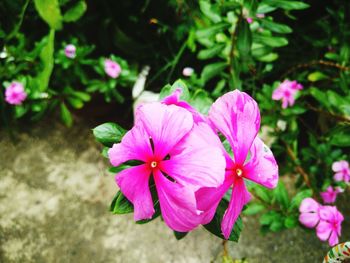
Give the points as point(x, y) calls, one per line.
point(286, 92)
point(179, 153)
point(15, 93)
point(326, 219)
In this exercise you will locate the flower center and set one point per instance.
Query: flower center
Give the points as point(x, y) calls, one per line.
point(239, 172)
point(154, 164)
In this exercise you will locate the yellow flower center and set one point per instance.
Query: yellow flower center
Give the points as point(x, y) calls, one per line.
point(239, 172)
point(154, 164)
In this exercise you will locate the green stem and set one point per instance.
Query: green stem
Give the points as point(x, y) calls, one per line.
point(176, 60)
point(18, 26)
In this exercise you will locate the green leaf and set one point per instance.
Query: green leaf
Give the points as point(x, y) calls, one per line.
point(340, 136)
point(268, 58)
point(76, 12)
point(286, 4)
point(201, 101)
point(214, 226)
point(253, 208)
point(320, 96)
point(209, 31)
point(75, 102)
point(66, 115)
point(109, 133)
point(210, 52)
point(121, 205)
point(316, 76)
point(212, 70)
point(276, 27)
point(169, 89)
point(82, 96)
point(244, 38)
point(263, 193)
point(290, 222)
point(281, 195)
point(180, 235)
point(208, 11)
point(271, 41)
point(49, 11)
point(47, 59)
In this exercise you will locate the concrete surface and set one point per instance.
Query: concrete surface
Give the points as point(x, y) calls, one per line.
point(54, 197)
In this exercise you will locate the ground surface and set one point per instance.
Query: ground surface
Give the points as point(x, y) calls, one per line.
point(54, 196)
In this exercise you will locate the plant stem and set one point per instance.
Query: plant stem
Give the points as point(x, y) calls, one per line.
point(225, 250)
point(18, 25)
point(233, 44)
point(330, 114)
point(313, 63)
point(297, 166)
point(176, 60)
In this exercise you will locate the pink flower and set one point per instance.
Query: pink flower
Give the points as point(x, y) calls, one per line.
point(249, 20)
point(15, 93)
point(309, 212)
point(342, 171)
point(236, 116)
point(174, 99)
point(286, 92)
point(330, 195)
point(112, 68)
point(180, 157)
point(187, 72)
point(329, 227)
point(70, 51)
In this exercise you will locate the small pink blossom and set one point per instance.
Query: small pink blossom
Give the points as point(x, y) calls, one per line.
point(330, 195)
point(329, 227)
point(286, 92)
point(187, 72)
point(70, 51)
point(236, 116)
point(112, 68)
point(15, 93)
point(342, 171)
point(180, 155)
point(249, 20)
point(309, 212)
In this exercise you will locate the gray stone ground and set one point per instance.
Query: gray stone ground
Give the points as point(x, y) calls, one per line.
point(54, 196)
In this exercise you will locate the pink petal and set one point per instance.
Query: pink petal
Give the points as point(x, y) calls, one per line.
point(208, 198)
point(340, 165)
point(278, 94)
point(333, 239)
point(262, 167)
point(236, 115)
point(198, 159)
point(338, 177)
point(166, 124)
point(309, 205)
point(133, 182)
point(323, 230)
point(174, 99)
point(309, 220)
point(240, 196)
point(177, 204)
point(135, 145)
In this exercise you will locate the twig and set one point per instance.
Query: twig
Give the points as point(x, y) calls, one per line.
point(330, 114)
point(224, 244)
point(313, 63)
point(297, 166)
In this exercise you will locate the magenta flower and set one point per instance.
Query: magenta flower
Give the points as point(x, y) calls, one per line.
point(342, 171)
point(178, 154)
point(286, 92)
point(70, 51)
point(187, 72)
point(236, 115)
point(112, 68)
point(174, 99)
point(309, 212)
point(329, 227)
point(15, 93)
point(330, 195)
point(249, 20)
